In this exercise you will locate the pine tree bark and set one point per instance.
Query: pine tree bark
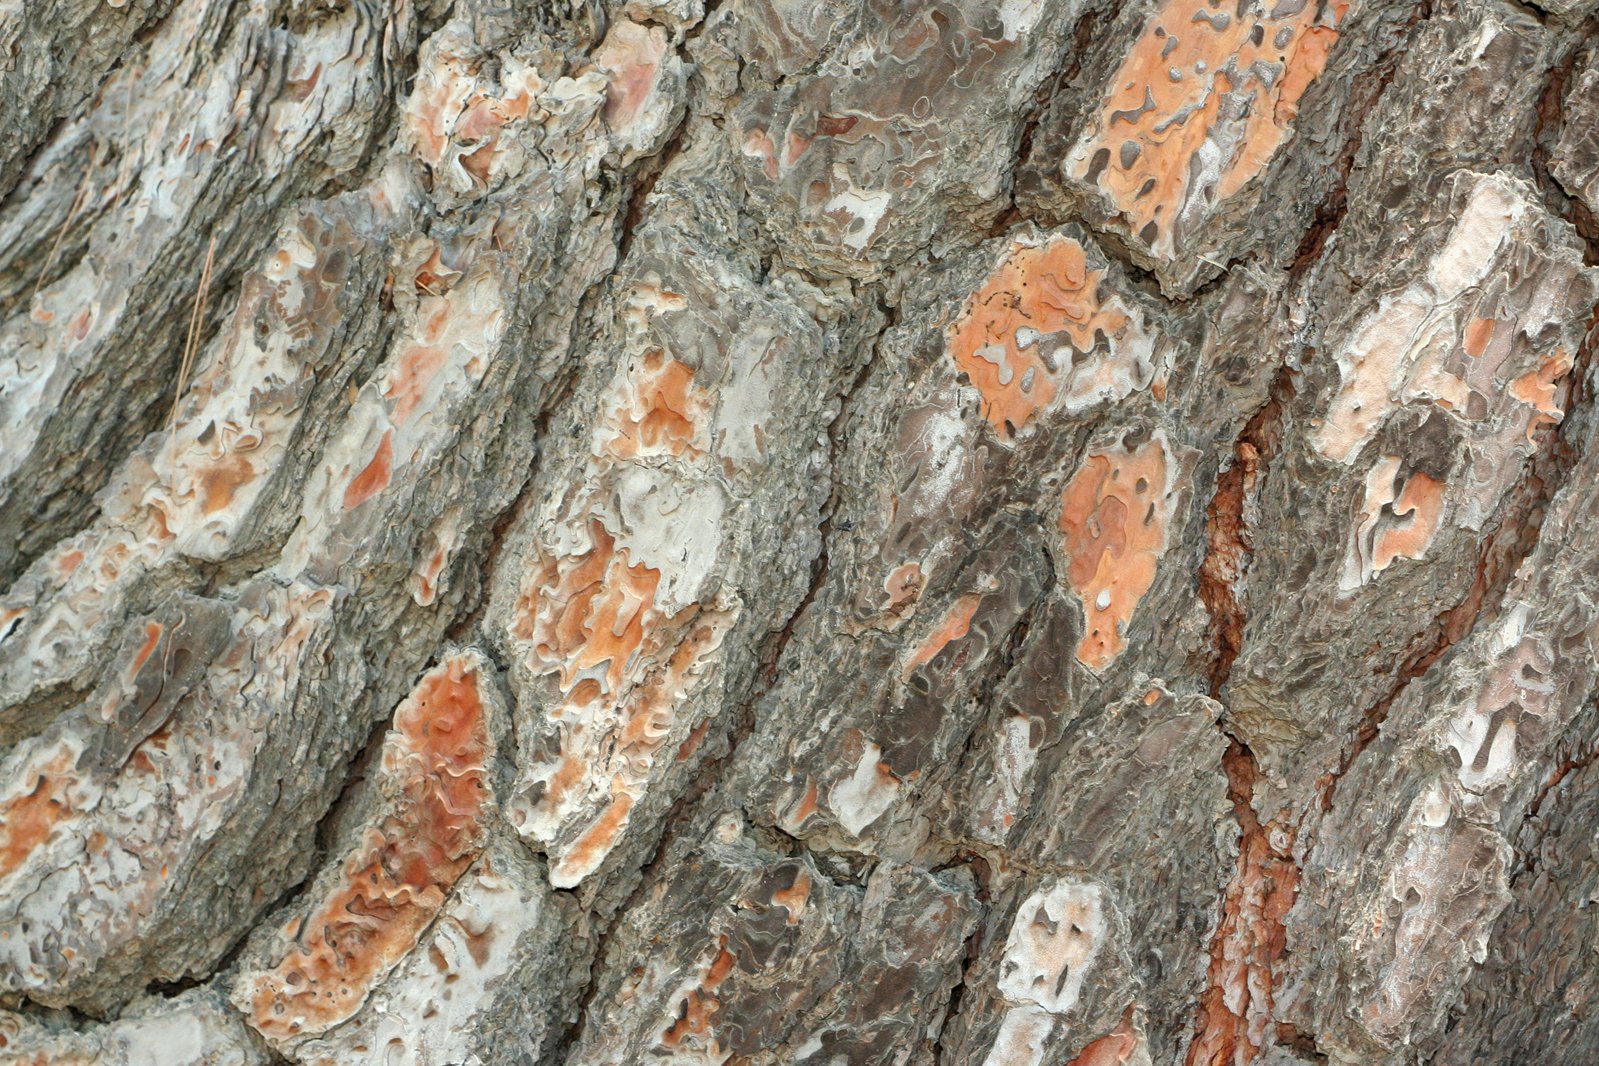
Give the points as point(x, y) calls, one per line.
point(799, 531)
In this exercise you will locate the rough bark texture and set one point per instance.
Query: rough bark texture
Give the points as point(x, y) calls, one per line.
point(799, 531)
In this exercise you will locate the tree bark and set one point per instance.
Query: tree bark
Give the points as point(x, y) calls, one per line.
point(799, 531)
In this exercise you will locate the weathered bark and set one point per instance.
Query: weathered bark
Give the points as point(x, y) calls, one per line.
point(1051, 532)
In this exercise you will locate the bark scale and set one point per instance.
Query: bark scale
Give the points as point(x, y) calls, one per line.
point(775, 531)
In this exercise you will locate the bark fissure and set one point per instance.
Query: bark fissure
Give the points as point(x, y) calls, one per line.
point(970, 954)
point(1366, 95)
point(1527, 860)
point(1228, 543)
point(1506, 545)
point(1250, 939)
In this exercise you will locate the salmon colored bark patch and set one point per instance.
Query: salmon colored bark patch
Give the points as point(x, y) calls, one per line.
point(1039, 292)
point(427, 576)
point(806, 806)
point(693, 1023)
point(583, 610)
point(1114, 522)
point(1420, 505)
point(1539, 389)
point(456, 113)
point(659, 412)
point(647, 714)
point(375, 477)
point(644, 720)
point(1200, 105)
point(1478, 334)
point(9, 616)
point(393, 885)
point(569, 774)
point(27, 819)
point(1398, 517)
point(152, 637)
point(222, 480)
point(590, 849)
point(956, 623)
point(903, 586)
point(418, 366)
point(1112, 1049)
point(794, 897)
point(479, 162)
point(631, 58)
point(758, 144)
point(435, 277)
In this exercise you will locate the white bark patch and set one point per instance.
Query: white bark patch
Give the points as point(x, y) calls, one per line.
point(863, 210)
point(1446, 340)
point(196, 1028)
point(863, 797)
point(1054, 939)
point(1023, 1038)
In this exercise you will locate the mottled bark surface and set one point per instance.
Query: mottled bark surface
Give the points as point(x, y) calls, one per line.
point(799, 531)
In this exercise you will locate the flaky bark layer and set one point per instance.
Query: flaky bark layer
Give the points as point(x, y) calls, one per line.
point(1055, 532)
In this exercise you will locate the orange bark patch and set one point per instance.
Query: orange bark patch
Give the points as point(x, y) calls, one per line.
point(27, 819)
point(481, 121)
point(9, 617)
point(1202, 74)
point(794, 897)
point(78, 328)
point(806, 806)
point(418, 365)
point(1420, 505)
point(152, 637)
point(1397, 519)
point(431, 112)
point(1039, 293)
point(1539, 389)
point(1114, 521)
point(645, 720)
point(758, 144)
point(451, 116)
point(375, 478)
point(222, 480)
point(568, 774)
point(479, 162)
point(427, 576)
point(1112, 1049)
point(957, 622)
point(659, 411)
point(393, 885)
point(590, 849)
point(648, 713)
point(1478, 334)
point(903, 586)
point(435, 277)
point(580, 611)
point(693, 1024)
